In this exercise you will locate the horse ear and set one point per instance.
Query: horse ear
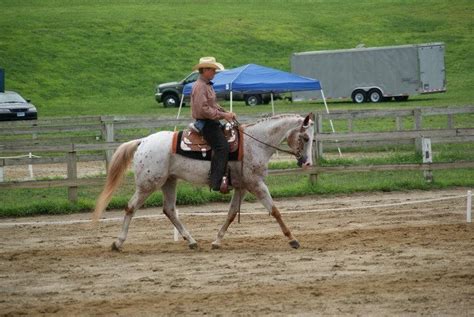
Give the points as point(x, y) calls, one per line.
point(308, 117)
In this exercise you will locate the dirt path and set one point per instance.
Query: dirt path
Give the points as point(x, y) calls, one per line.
point(395, 260)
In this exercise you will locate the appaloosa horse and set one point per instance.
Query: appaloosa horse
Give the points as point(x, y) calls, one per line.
point(156, 167)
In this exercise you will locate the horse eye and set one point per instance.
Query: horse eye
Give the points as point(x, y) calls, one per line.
point(305, 138)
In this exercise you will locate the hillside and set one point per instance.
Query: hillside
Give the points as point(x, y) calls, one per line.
point(105, 57)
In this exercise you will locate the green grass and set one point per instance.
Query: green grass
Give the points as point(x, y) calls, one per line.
point(54, 200)
point(82, 57)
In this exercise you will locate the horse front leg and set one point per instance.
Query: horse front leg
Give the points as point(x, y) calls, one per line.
point(263, 194)
point(235, 203)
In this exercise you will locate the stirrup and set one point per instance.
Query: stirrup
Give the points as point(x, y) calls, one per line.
point(225, 187)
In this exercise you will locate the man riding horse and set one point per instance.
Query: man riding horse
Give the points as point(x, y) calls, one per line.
point(157, 166)
point(207, 113)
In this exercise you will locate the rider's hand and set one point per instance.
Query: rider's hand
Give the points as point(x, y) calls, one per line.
point(229, 116)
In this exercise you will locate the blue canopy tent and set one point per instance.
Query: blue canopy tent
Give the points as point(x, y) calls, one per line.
point(253, 78)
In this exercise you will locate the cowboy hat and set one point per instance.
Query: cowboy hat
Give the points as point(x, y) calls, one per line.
point(208, 62)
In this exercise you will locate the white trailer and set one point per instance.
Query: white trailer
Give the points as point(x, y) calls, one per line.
point(373, 74)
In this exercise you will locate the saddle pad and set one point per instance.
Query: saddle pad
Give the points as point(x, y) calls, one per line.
point(182, 146)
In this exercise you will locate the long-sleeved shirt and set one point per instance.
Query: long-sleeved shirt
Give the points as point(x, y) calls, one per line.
point(203, 101)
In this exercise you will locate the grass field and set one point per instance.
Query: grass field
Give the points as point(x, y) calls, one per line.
point(104, 57)
point(54, 200)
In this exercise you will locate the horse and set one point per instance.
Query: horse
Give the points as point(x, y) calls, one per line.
point(156, 167)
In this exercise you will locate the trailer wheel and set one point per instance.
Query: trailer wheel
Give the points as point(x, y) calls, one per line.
point(359, 96)
point(375, 95)
point(401, 98)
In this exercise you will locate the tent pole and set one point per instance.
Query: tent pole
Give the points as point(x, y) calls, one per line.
point(231, 101)
point(273, 107)
point(273, 113)
point(330, 120)
point(179, 110)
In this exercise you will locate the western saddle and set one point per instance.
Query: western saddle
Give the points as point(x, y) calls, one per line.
point(191, 140)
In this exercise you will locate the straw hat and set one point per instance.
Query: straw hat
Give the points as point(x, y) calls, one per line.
point(208, 62)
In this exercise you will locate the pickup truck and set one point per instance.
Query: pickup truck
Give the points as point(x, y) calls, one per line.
point(170, 93)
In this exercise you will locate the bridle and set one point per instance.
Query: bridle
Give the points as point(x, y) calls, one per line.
point(301, 140)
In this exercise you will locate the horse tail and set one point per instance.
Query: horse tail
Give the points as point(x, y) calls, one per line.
point(118, 166)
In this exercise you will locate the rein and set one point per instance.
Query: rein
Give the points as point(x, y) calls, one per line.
point(297, 155)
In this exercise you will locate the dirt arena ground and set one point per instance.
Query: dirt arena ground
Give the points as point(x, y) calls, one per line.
point(411, 259)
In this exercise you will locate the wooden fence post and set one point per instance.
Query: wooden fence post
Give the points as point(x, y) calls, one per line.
point(108, 135)
point(399, 123)
point(2, 176)
point(319, 129)
point(418, 120)
point(313, 178)
point(72, 174)
point(350, 125)
point(427, 158)
point(318, 147)
point(450, 121)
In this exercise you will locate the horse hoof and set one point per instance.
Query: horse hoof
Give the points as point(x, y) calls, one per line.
point(216, 246)
point(193, 246)
point(115, 247)
point(294, 244)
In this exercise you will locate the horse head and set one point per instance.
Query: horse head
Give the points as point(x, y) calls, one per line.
point(300, 140)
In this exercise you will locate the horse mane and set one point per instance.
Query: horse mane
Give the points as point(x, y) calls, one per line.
point(276, 117)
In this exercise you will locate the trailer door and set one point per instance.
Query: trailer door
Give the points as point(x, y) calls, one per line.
point(432, 72)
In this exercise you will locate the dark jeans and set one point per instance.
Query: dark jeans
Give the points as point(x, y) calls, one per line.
point(213, 134)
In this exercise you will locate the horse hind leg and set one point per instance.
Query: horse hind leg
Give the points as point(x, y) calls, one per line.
point(169, 209)
point(134, 203)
